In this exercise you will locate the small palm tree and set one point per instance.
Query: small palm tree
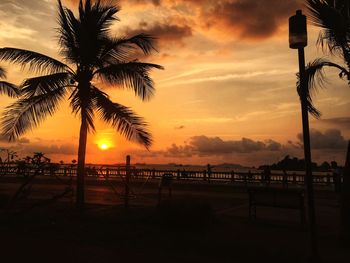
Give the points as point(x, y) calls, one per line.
point(7, 88)
point(91, 55)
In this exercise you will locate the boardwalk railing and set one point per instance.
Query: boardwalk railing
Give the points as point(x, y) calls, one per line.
point(115, 171)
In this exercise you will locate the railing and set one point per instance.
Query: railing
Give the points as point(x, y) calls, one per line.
point(252, 176)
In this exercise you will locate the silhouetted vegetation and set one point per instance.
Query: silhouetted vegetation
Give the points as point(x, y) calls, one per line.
point(333, 18)
point(294, 164)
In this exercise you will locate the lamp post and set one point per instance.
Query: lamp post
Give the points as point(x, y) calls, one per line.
point(298, 40)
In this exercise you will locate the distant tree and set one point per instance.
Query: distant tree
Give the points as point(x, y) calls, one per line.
point(334, 165)
point(325, 166)
point(93, 56)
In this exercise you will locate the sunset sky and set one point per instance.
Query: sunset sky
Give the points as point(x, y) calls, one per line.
point(227, 93)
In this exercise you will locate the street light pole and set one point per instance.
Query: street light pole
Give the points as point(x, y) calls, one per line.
point(298, 40)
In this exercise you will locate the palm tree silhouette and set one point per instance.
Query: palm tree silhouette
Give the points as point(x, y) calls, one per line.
point(7, 88)
point(333, 17)
point(91, 55)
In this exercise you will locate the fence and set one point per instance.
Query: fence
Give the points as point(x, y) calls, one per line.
point(110, 171)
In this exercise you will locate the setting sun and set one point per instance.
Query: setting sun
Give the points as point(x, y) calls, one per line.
point(103, 146)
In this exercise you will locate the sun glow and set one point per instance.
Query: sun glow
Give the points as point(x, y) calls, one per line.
point(103, 146)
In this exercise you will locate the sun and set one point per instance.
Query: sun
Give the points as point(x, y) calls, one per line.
point(103, 146)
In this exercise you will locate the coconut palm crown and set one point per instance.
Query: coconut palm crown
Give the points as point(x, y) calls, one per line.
point(91, 56)
point(333, 17)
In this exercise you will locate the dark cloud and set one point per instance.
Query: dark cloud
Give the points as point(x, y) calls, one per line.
point(216, 145)
point(179, 127)
point(179, 151)
point(120, 2)
point(204, 146)
point(165, 32)
point(66, 149)
point(331, 139)
point(21, 140)
point(154, 2)
point(342, 122)
point(249, 18)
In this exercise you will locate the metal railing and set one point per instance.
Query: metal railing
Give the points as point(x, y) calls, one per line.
point(115, 171)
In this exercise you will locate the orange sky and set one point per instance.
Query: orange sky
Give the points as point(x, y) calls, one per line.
point(227, 93)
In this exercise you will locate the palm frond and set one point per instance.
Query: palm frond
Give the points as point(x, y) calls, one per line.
point(9, 89)
point(118, 49)
point(122, 119)
point(334, 22)
point(27, 113)
point(68, 45)
point(44, 84)
point(309, 100)
point(315, 72)
point(2, 72)
point(82, 36)
point(133, 75)
point(35, 61)
point(315, 77)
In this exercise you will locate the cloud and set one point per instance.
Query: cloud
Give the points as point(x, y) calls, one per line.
point(179, 151)
point(164, 31)
point(331, 139)
point(65, 149)
point(204, 146)
point(216, 145)
point(142, 2)
point(22, 140)
point(343, 122)
point(249, 19)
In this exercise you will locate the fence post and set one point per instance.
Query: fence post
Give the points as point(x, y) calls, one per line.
point(294, 178)
point(127, 181)
point(328, 179)
point(205, 175)
point(153, 173)
point(209, 172)
point(232, 176)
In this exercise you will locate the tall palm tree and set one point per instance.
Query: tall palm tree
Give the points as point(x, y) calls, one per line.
point(91, 54)
point(333, 17)
point(7, 88)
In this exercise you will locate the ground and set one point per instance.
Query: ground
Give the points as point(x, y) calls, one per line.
point(200, 225)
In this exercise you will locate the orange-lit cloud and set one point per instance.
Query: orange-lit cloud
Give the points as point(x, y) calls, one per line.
point(165, 33)
point(248, 19)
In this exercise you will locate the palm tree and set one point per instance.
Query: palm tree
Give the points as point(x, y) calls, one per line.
point(7, 88)
point(91, 54)
point(333, 17)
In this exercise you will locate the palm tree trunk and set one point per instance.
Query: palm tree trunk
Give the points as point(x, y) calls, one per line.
point(345, 202)
point(80, 197)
